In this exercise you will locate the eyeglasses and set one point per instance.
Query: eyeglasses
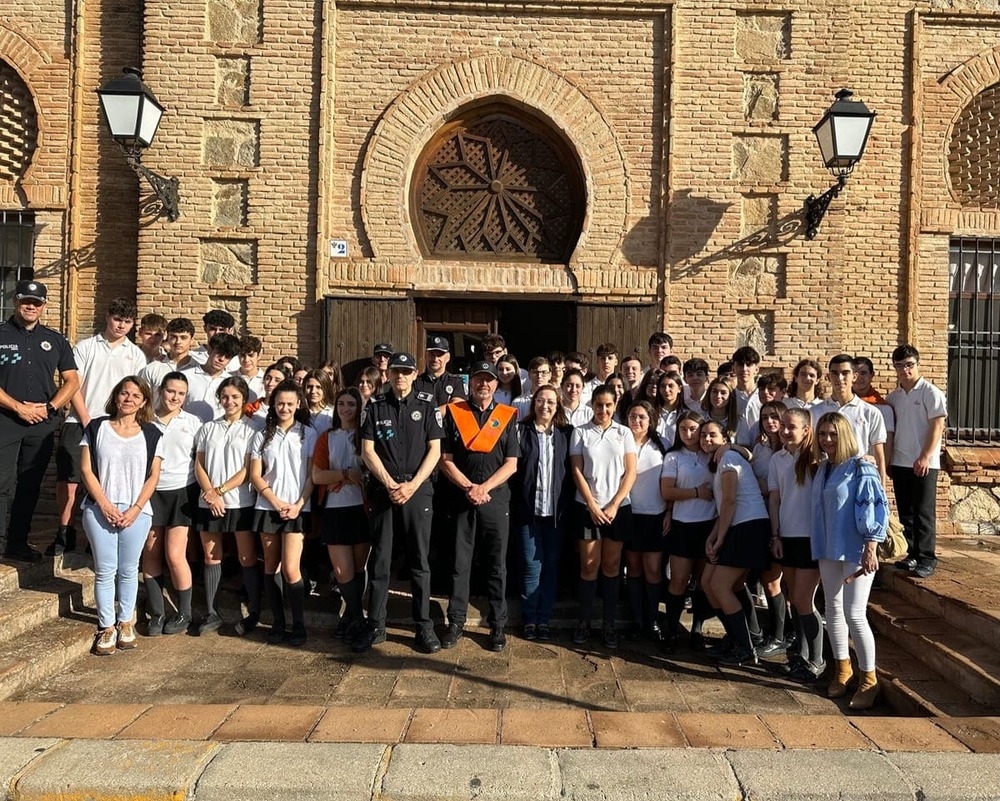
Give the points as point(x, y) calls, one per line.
point(907, 365)
point(497, 352)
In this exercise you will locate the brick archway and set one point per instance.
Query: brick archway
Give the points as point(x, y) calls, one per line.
point(420, 111)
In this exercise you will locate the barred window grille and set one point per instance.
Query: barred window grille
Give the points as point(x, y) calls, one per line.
point(974, 342)
point(17, 230)
point(18, 125)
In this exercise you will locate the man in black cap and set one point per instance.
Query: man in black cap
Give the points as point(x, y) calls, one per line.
point(435, 378)
point(30, 356)
point(479, 454)
point(381, 354)
point(400, 444)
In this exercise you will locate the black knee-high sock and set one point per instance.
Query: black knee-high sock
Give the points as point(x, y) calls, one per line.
point(633, 587)
point(701, 610)
point(610, 586)
point(251, 581)
point(812, 637)
point(652, 604)
point(739, 630)
point(154, 595)
point(749, 610)
point(184, 602)
point(675, 606)
point(352, 599)
point(272, 584)
point(296, 592)
point(212, 575)
point(776, 609)
point(587, 594)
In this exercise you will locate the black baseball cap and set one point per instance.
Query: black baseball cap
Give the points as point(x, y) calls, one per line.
point(402, 361)
point(35, 290)
point(438, 343)
point(382, 347)
point(482, 367)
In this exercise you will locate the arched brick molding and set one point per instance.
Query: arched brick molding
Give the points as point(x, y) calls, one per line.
point(418, 112)
point(19, 131)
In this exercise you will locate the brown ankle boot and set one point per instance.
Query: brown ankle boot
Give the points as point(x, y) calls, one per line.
point(868, 690)
point(842, 675)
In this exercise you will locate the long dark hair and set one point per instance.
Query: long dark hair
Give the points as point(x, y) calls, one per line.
point(682, 417)
point(301, 410)
point(652, 433)
point(354, 393)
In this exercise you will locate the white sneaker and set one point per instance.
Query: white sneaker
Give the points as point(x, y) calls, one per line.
point(126, 636)
point(105, 641)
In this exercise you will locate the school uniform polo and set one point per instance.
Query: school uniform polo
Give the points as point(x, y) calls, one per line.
point(603, 452)
point(795, 511)
point(102, 366)
point(580, 416)
point(154, 372)
point(201, 400)
point(287, 463)
point(255, 384)
point(689, 470)
point(224, 448)
point(177, 470)
point(914, 411)
point(866, 421)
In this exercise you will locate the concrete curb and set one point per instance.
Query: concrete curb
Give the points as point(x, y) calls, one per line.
point(35, 769)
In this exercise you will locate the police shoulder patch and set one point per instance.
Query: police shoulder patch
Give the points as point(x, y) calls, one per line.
point(427, 397)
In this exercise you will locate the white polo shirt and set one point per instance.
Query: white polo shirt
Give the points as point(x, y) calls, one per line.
point(749, 501)
point(200, 355)
point(583, 415)
point(101, 366)
point(645, 495)
point(224, 448)
point(154, 372)
point(795, 510)
point(866, 421)
point(914, 411)
point(201, 400)
point(603, 453)
point(286, 462)
point(256, 384)
point(689, 470)
point(321, 421)
point(343, 456)
point(177, 470)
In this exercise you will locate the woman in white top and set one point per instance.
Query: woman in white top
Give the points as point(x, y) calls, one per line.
point(319, 394)
point(257, 410)
point(805, 390)
point(737, 544)
point(336, 471)
point(577, 413)
point(508, 380)
point(120, 459)
point(789, 503)
point(175, 508)
point(644, 549)
point(602, 462)
point(671, 403)
point(225, 504)
point(768, 444)
point(281, 472)
point(686, 485)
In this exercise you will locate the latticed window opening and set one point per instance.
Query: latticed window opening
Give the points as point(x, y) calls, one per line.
point(498, 184)
point(17, 229)
point(974, 154)
point(18, 124)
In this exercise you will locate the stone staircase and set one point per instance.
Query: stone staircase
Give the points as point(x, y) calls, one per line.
point(46, 619)
point(939, 638)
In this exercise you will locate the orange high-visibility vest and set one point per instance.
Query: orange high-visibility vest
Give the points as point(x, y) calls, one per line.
point(476, 439)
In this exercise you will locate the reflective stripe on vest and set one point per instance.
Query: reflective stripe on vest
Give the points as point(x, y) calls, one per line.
point(476, 439)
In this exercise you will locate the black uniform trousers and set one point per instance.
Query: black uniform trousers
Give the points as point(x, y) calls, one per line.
point(25, 451)
point(412, 522)
point(916, 501)
point(491, 521)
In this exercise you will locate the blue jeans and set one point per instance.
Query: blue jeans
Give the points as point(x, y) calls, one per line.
point(540, 547)
point(116, 562)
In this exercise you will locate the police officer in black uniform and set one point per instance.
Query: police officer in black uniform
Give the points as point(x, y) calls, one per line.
point(435, 378)
point(479, 455)
point(400, 445)
point(30, 356)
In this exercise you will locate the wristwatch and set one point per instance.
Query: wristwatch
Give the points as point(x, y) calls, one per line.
point(50, 409)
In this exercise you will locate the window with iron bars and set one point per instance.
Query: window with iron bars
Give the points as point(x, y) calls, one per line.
point(17, 230)
point(974, 342)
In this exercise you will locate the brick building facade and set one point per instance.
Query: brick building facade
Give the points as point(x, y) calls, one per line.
point(565, 172)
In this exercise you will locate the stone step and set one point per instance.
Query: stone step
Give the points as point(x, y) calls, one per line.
point(15, 576)
point(963, 661)
point(912, 689)
point(70, 595)
point(954, 597)
point(47, 649)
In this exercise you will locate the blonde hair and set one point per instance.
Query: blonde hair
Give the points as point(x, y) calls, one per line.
point(847, 444)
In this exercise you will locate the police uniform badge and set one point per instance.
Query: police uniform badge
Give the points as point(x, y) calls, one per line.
point(45, 345)
point(416, 415)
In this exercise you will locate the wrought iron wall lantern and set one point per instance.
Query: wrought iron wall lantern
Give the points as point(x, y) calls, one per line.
point(132, 115)
point(842, 135)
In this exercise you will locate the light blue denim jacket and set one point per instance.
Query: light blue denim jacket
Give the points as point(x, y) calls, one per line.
point(849, 509)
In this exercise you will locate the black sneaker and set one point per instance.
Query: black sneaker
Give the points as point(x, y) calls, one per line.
point(498, 640)
point(154, 628)
point(906, 564)
point(248, 624)
point(530, 632)
point(342, 626)
point(721, 647)
point(924, 570)
point(55, 549)
point(805, 672)
point(211, 622)
point(544, 632)
point(772, 648)
point(277, 634)
point(737, 657)
point(177, 624)
point(610, 638)
point(452, 635)
point(426, 641)
point(298, 637)
point(582, 634)
point(368, 636)
point(23, 554)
